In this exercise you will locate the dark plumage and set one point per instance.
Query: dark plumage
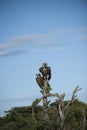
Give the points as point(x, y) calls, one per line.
point(45, 71)
point(40, 80)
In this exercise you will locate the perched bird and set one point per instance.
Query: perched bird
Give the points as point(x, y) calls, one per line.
point(40, 80)
point(45, 71)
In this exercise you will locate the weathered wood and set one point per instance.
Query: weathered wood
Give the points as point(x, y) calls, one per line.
point(84, 119)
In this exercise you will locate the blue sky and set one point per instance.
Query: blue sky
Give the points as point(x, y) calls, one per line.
point(37, 31)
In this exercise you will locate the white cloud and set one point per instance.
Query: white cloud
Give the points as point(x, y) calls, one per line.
point(49, 49)
point(11, 53)
point(46, 39)
point(18, 41)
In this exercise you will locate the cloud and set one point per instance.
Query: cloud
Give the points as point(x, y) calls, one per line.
point(49, 39)
point(71, 30)
point(82, 38)
point(11, 53)
point(49, 49)
point(18, 41)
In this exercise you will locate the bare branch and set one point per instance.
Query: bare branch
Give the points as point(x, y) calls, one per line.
point(74, 92)
point(73, 96)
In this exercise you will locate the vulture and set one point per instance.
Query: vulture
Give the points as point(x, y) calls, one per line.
point(45, 71)
point(40, 80)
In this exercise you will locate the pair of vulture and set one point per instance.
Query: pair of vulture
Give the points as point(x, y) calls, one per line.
point(46, 74)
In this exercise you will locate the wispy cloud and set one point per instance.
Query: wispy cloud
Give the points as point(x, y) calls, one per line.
point(49, 49)
point(11, 53)
point(18, 41)
point(82, 38)
point(47, 39)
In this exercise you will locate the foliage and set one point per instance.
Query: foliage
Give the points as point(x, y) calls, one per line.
point(35, 103)
point(20, 118)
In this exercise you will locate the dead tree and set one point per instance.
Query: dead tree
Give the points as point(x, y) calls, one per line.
point(63, 110)
point(42, 81)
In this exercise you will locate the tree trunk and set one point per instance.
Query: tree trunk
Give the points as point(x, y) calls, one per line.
point(45, 103)
point(84, 119)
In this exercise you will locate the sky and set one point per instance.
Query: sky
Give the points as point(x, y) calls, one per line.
point(37, 31)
